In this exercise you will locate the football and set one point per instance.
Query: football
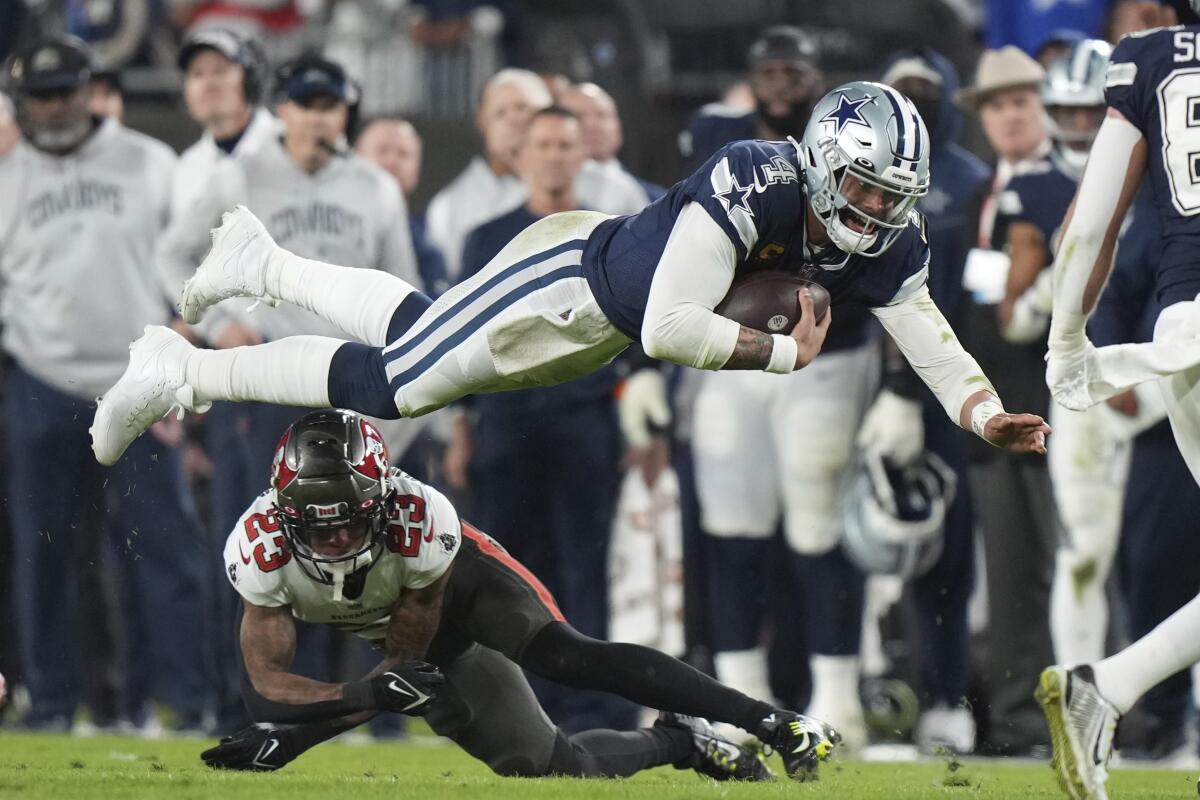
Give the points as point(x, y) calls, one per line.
point(767, 300)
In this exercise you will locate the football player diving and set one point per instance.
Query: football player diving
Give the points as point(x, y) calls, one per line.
point(1149, 131)
point(342, 539)
point(574, 289)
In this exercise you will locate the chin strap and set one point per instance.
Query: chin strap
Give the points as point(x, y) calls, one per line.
point(339, 570)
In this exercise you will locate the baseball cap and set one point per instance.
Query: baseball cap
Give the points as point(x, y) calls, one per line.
point(225, 42)
point(782, 43)
point(314, 75)
point(51, 64)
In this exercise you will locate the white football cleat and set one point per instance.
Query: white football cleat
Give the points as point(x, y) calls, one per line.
point(1082, 724)
point(151, 387)
point(234, 267)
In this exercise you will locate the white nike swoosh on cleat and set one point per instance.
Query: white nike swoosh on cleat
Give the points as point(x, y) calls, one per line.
point(269, 746)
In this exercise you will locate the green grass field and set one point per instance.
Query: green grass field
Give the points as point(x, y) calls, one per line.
point(63, 768)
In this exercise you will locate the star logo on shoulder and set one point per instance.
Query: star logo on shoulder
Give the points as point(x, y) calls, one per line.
point(846, 113)
point(735, 196)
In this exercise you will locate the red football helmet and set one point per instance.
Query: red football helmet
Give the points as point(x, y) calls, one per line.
point(331, 492)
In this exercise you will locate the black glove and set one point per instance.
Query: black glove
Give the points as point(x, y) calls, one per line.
point(253, 749)
point(409, 688)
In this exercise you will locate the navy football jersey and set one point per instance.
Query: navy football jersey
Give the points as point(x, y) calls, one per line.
point(755, 191)
point(1154, 81)
point(1040, 197)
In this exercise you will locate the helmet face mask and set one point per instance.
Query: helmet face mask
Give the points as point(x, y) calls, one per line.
point(332, 495)
point(866, 158)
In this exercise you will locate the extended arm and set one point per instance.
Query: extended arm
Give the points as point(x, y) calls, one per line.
point(1109, 183)
point(273, 694)
point(953, 375)
point(694, 274)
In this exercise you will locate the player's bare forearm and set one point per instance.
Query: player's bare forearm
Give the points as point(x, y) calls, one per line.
point(413, 623)
point(752, 351)
point(268, 638)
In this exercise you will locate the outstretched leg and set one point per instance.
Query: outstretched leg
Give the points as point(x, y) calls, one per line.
point(245, 262)
point(562, 654)
point(166, 372)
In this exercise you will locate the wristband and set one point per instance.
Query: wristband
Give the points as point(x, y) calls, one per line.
point(783, 354)
point(981, 413)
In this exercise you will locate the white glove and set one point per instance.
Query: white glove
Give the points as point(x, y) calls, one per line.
point(893, 428)
point(1031, 312)
point(643, 404)
point(1069, 372)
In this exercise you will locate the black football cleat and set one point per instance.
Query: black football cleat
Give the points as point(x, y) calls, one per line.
point(713, 756)
point(802, 742)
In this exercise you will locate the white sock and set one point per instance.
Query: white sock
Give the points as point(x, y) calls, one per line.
point(1078, 610)
point(291, 372)
point(746, 671)
point(359, 301)
point(1171, 647)
point(834, 681)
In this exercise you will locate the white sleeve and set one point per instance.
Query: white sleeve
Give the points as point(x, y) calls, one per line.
point(693, 275)
point(927, 341)
point(1096, 205)
point(440, 543)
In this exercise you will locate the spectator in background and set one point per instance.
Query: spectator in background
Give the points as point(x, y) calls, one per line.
point(785, 82)
point(544, 463)
point(940, 596)
point(85, 201)
point(393, 145)
point(602, 139)
point(108, 98)
point(223, 75)
point(489, 184)
point(1013, 499)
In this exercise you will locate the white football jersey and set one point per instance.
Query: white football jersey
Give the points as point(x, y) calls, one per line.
point(422, 538)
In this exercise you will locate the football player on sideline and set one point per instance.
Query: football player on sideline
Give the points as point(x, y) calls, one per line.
point(342, 539)
point(575, 289)
point(1148, 130)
